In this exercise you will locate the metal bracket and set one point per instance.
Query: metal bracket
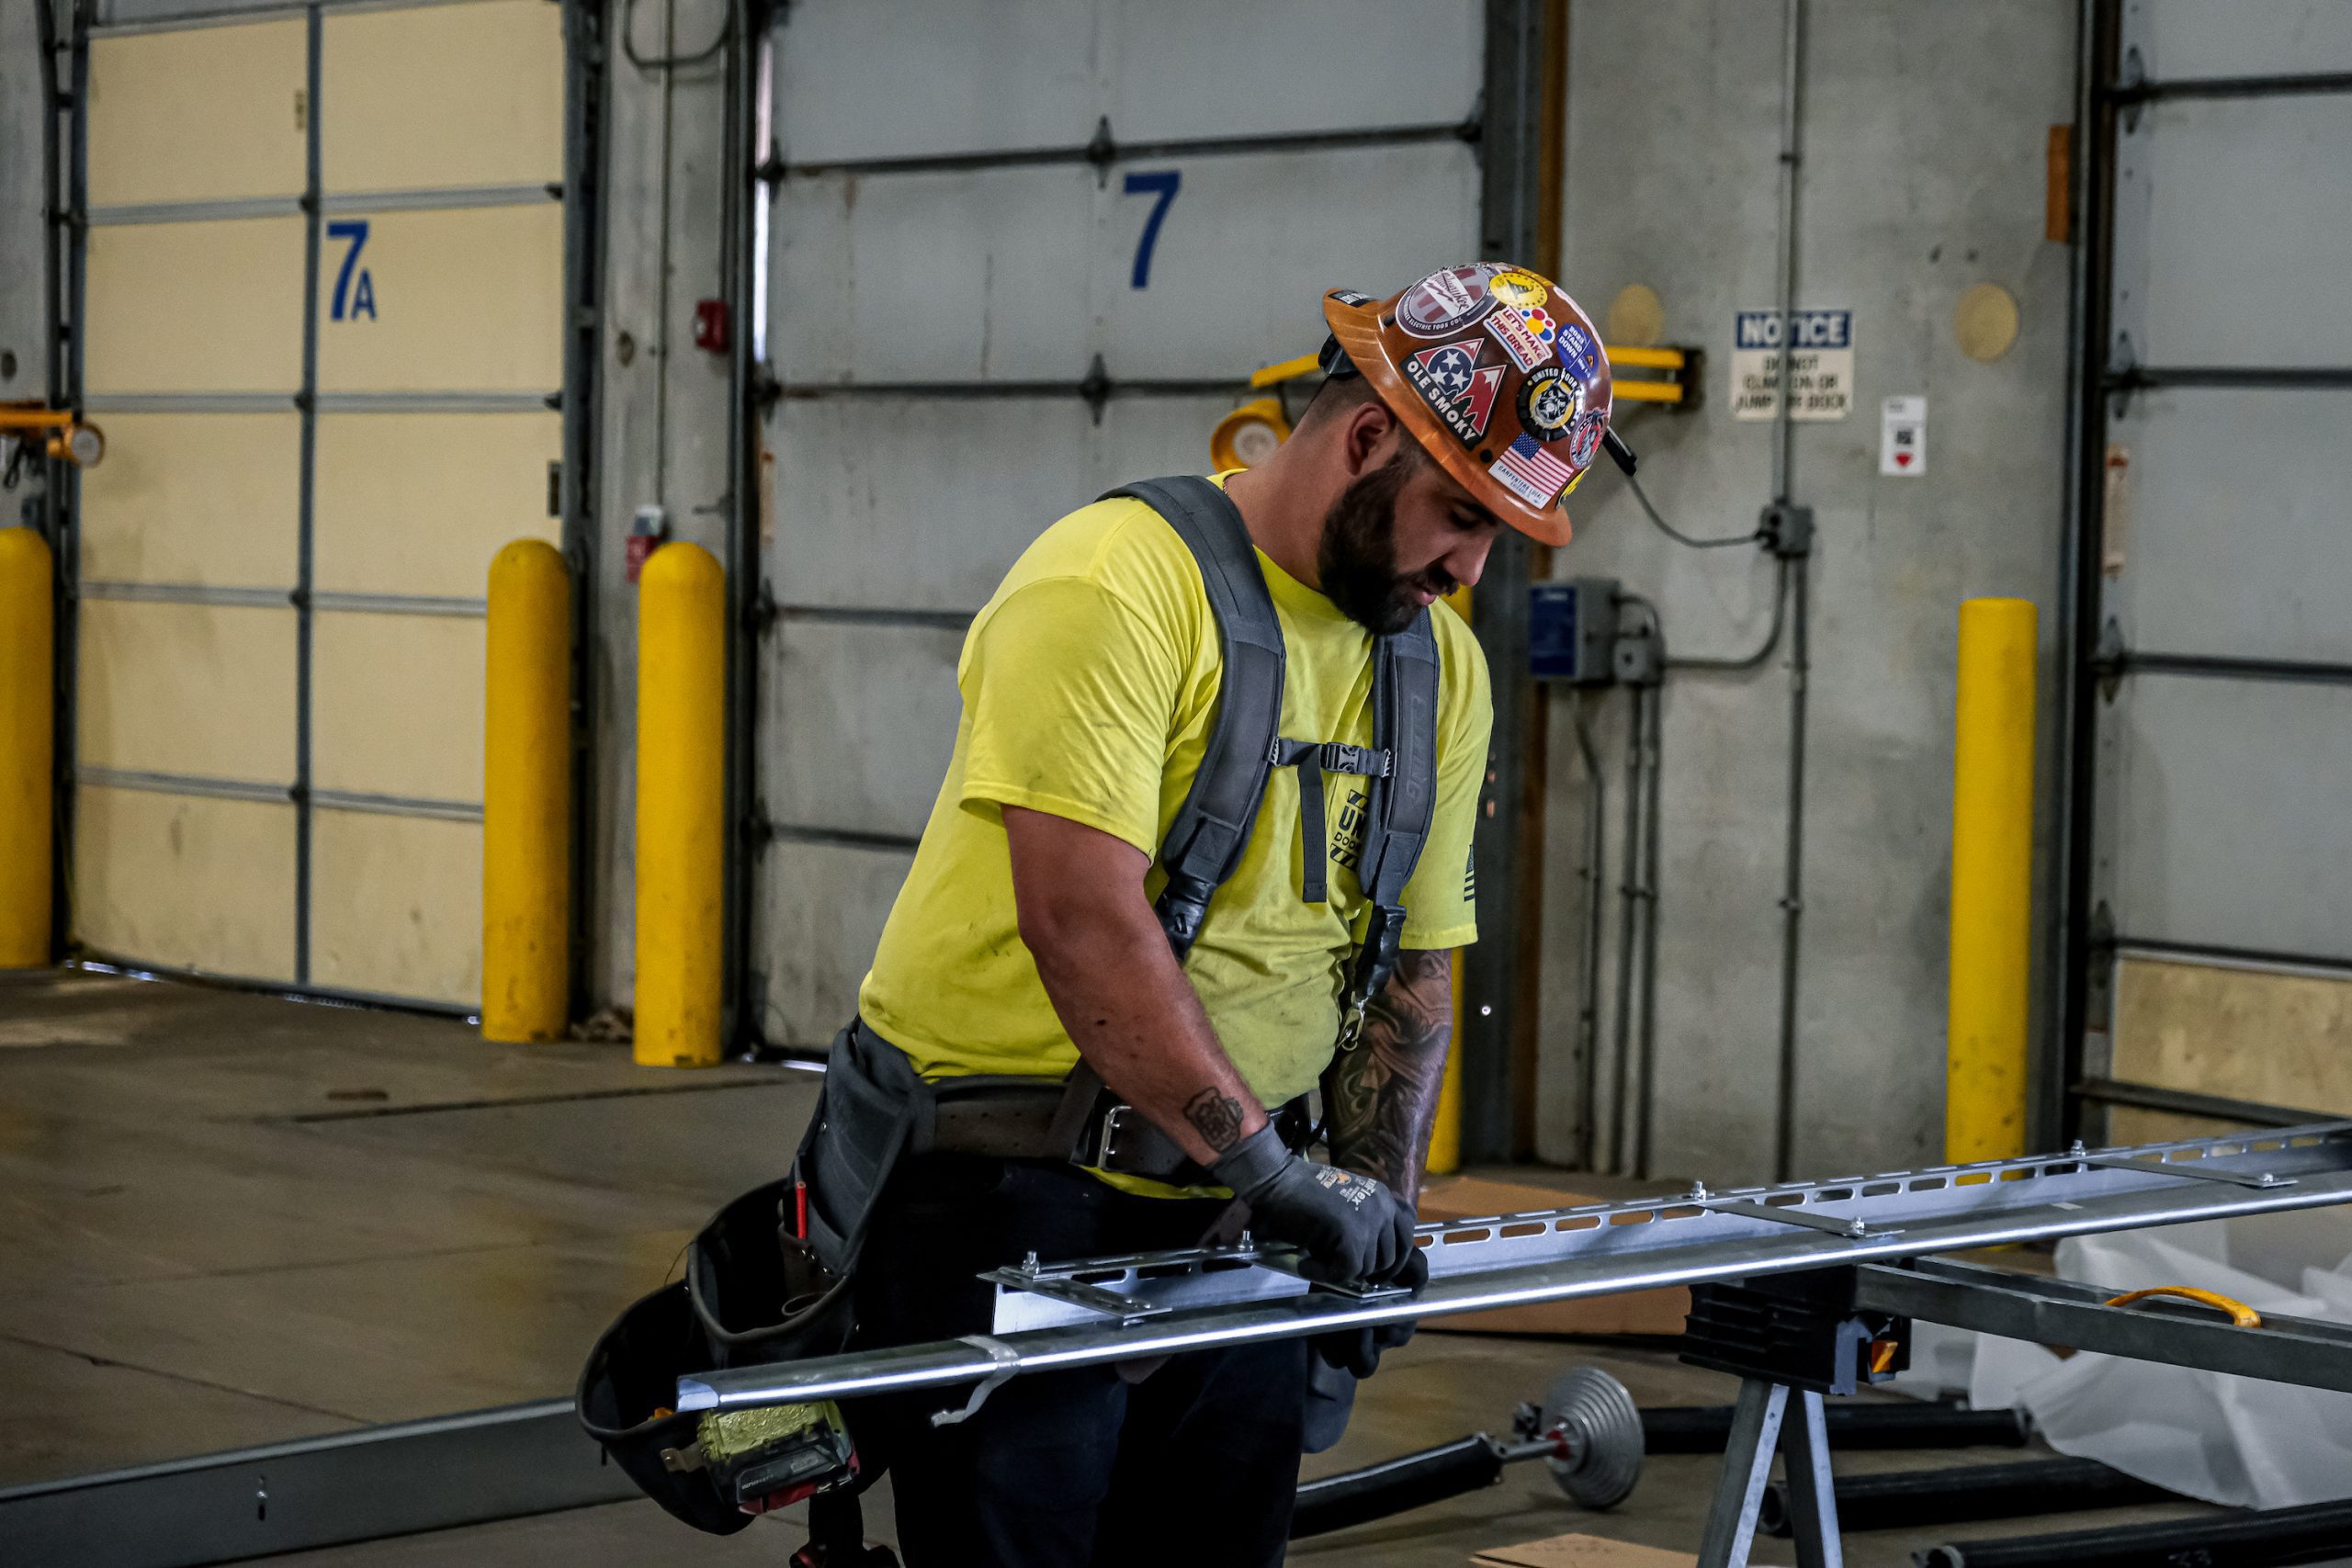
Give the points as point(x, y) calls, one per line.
point(2260, 1179)
point(1853, 1228)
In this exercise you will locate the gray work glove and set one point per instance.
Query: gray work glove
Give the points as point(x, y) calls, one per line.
point(1350, 1227)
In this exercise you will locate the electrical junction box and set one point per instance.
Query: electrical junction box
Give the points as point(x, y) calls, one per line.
point(1572, 630)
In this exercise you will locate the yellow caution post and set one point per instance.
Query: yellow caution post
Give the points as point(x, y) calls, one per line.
point(680, 794)
point(526, 798)
point(27, 693)
point(1992, 878)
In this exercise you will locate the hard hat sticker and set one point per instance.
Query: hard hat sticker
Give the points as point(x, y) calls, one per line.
point(1584, 437)
point(1444, 302)
point(1548, 402)
point(1509, 326)
point(1532, 473)
point(1349, 297)
point(1578, 351)
point(1452, 382)
point(1524, 291)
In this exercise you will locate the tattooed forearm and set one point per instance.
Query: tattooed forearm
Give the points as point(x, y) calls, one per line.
point(1383, 1094)
point(1215, 1117)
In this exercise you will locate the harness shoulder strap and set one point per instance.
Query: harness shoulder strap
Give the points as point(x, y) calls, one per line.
point(1212, 827)
point(1403, 800)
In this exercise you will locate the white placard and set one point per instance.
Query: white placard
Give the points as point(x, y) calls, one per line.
point(1903, 437)
point(1821, 366)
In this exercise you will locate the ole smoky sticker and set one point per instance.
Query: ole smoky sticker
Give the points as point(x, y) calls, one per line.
point(1452, 382)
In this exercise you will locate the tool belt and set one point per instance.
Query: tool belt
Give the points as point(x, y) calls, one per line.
point(877, 1110)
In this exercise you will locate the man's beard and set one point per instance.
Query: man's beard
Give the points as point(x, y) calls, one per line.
point(1356, 558)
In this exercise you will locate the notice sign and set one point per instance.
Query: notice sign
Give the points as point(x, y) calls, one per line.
point(1820, 365)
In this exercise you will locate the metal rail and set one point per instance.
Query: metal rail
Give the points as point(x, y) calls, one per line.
point(1117, 1309)
point(1104, 150)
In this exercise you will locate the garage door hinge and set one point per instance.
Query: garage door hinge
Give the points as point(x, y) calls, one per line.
point(763, 610)
point(758, 828)
point(2109, 660)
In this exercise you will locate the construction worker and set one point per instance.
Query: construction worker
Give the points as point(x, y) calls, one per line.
point(1033, 940)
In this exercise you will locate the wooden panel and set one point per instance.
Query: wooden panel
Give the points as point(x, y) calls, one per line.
point(419, 503)
point(185, 883)
point(204, 689)
point(470, 299)
point(396, 905)
point(396, 704)
point(2277, 1039)
point(208, 498)
point(196, 307)
point(443, 95)
point(202, 115)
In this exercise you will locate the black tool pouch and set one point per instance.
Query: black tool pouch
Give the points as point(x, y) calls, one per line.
point(755, 1290)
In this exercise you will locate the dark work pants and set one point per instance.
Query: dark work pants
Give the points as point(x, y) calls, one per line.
point(1197, 1463)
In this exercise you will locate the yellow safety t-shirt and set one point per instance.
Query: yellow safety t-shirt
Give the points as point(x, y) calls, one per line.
point(1090, 681)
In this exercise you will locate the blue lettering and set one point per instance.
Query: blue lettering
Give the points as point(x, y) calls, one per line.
point(365, 299)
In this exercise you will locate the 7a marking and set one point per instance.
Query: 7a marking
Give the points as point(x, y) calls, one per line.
point(364, 300)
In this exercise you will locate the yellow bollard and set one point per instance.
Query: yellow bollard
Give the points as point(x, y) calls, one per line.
point(1992, 882)
point(27, 695)
point(526, 798)
point(681, 834)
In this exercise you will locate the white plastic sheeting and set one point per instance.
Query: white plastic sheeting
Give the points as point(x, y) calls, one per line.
point(2226, 1439)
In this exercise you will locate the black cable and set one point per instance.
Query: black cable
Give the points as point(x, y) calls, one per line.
point(670, 62)
point(1671, 532)
point(1764, 650)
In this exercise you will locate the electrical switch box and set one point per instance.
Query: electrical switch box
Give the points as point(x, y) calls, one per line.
point(1572, 630)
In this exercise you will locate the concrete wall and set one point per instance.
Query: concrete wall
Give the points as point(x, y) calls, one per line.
point(1923, 136)
point(23, 237)
point(663, 440)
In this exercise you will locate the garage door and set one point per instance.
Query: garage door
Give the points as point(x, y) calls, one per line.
point(323, 332)
point(1047, 272)
point(2217, 882)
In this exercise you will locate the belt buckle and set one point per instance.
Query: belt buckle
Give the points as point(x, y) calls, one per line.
point(1106, 1143)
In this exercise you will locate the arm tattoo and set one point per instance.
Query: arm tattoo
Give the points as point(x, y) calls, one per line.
point(1382, 1095)
point(1215, 1117)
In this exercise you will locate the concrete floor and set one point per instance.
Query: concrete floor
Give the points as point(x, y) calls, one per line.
point(227, 1220)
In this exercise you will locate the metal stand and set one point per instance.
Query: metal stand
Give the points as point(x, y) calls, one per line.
point(1790, 1339)
point(1773, 1416)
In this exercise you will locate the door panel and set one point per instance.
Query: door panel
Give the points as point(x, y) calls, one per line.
point(203, 498)
point(212, 307)
point(419, 503)
point(467, 299)
point(2232, 534)
point(397, 704)
point(186, 882)
point(396, 906)
point(870, 714)
point(865, 516)
point(202, 689)
point(209, 114)
point(442, 96)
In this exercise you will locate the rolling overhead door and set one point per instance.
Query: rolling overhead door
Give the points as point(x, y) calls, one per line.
point(322, 305)
point(2215, 762)
point(1046, 273)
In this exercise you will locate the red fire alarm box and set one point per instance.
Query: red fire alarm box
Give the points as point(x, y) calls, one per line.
point(711, 325)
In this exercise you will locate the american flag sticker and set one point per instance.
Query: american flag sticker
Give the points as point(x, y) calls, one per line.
point(1530, 471)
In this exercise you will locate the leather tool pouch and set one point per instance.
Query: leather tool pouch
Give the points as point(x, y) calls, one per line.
point(755, 1290)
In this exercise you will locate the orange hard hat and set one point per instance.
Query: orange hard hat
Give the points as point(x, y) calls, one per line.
point(1497, 373)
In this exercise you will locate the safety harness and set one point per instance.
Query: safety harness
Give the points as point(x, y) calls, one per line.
point(1212, 827)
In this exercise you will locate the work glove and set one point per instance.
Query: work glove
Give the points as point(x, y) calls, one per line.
point(1351, 1228)
point(1358, 1351)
